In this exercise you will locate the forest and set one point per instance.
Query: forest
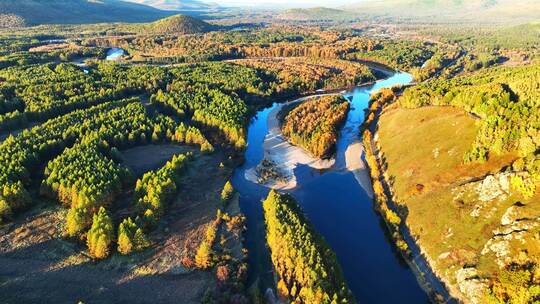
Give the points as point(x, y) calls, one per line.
point(307, 268)
point(275, 42)
point(67, 117)
point(305, 74)
point(314, 124)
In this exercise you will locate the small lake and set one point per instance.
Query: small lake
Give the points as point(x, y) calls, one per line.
point(340, 210)
point(115, 54)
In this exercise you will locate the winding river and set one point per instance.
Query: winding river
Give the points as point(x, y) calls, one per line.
point(339, 208)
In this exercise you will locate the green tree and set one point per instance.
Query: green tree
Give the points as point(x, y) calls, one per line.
point(100, 235)
point(77, 220)
point(130, 237)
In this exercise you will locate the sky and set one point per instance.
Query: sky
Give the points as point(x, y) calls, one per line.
point(287, 3)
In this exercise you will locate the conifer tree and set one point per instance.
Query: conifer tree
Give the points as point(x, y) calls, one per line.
point(227, 192)
point(130, 237)
point(203, 259)
point(100, 235)
point(77, 220)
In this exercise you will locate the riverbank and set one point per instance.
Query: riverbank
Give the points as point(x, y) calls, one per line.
point(283, 154)
point(286, 157)
point(384, 200)
point(355, 164)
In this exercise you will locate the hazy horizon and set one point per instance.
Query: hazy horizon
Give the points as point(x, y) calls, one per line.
point(285, 3)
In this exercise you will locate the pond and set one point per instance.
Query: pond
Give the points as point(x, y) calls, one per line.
point(114, 54)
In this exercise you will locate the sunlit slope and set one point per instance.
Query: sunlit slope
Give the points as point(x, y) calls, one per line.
point(79, 11)
point(176, 5)
point(472, 177)
point(180, 24)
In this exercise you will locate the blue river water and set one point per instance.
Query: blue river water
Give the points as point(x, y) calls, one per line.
point(340, 211)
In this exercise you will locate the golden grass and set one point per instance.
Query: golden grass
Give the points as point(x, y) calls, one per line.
point(424, 150)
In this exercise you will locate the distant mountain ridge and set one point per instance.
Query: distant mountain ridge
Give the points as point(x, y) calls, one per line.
point(35, 12)
point(311, 14)
point(177, 5)
point(474, 10)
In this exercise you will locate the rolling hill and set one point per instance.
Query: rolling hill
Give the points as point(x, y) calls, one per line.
point(35, 12)
point(179, 24)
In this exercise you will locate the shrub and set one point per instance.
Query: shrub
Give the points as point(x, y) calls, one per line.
point(5, 210)
point(16, 195)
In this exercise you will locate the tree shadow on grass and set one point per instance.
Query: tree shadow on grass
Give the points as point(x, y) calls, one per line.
point(29, 276)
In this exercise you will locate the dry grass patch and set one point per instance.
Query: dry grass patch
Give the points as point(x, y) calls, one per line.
point(424, 149)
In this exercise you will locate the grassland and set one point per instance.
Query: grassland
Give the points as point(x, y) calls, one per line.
point(453, 209)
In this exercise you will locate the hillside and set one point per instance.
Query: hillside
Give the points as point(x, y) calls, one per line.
point(312, 14)
point(439, 10)
point(35, 12)
point(177, 5)
point(179, 24)
point(473, 183)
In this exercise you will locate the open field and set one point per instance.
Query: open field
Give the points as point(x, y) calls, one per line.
point(424, 148)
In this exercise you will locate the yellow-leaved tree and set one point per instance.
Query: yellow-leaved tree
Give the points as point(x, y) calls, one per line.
point(100, 235)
